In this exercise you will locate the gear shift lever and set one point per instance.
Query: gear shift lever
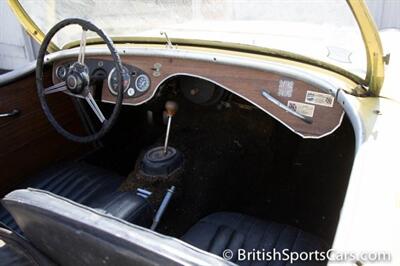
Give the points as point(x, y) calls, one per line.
point(162, 161)
point(170, 109)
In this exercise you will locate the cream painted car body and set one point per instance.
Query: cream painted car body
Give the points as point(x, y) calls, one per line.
point(370, 216)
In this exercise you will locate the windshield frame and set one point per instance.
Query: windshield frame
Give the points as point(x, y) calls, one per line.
point(374, 52)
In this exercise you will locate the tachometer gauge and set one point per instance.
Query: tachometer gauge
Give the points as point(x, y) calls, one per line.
point(142, 83)
point(113, 80)
point(61, 72)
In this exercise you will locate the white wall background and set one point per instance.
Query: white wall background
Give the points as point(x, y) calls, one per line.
point(17, 48)
point(385, 12)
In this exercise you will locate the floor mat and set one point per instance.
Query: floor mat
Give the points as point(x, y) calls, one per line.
point(241, 160)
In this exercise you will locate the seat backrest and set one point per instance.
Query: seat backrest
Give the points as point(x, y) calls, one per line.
point(72, 234)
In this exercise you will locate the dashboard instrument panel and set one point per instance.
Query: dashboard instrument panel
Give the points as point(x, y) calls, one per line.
point(303, 108)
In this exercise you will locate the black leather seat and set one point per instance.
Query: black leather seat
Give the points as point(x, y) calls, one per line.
point(220, 231)
point(91, 186)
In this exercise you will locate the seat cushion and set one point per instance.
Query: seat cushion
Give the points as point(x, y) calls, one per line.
point(90, 186)
point(15, 250)
point(220, 231)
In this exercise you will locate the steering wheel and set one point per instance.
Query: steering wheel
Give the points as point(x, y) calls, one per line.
point(77, 82)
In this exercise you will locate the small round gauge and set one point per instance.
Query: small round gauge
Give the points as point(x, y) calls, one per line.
point(142, 83)
point(113, 80)
point(61, 72)
point(130, 92)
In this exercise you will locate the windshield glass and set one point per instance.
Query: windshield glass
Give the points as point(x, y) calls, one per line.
point(322, 30)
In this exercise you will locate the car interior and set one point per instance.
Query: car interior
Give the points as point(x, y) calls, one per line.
point(203, 157)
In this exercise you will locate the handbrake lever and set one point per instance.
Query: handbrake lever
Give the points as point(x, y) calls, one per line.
point(162, 208)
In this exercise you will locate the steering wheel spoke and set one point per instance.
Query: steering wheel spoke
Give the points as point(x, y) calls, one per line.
point(62, 86)
point(95, 108)
point(74, 95)
point(82, 47)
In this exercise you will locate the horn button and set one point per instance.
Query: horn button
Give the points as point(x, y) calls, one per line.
point(77, 78)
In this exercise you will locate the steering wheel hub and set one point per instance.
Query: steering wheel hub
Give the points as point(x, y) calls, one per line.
point(77, 78)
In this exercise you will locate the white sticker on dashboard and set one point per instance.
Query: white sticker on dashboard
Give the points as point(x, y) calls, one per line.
point(285, 88)
point(302, 108)
point(320, 98)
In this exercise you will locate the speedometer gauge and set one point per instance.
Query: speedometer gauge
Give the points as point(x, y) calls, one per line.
point(113, 80)
point(142, 83)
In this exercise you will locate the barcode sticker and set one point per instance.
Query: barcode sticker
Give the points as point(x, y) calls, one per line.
point(302, 108)
point(318, 98)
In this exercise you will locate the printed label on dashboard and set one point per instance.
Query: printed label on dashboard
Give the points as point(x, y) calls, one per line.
point(318, 98)
point(302, 108)
point(285, 88)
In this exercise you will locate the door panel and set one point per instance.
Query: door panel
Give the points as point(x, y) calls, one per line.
point(28, 142)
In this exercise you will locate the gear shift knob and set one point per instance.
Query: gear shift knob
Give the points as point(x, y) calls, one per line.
point(171, 108)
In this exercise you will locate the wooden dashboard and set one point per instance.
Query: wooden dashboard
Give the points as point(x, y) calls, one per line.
point(303, 108)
